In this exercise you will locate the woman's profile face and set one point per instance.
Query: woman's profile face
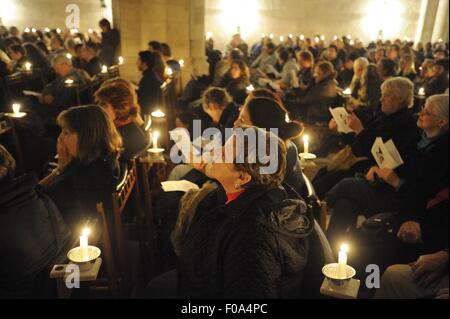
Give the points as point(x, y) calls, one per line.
point(235, 71)
point(244, 118)
point(70, 141)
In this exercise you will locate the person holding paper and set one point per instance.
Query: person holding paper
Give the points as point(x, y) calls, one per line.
point(395, 122)
point(405, 190)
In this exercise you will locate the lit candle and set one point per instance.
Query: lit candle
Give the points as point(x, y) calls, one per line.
point(335, 37)
point(352, 42)
point(155, 140)
point(58, 30)
point(440, 40)
point(322, 37)
point(347, 92)
point(302, 37)
point(33, 30)
point(316, 39)
point(121, 60)
point(342, 262)
point(422, 92)
point(306, 144)
point(69, 56)
point(287, 119)
point(27, 29)
point(209, 35)
point(290, 36)
point(271, 36)
point(181, 62)
point(16, 108)
point(281, 38)
point(69, 82)
point(158, 114)
point(104, 69)
point(250, 88)
point(90, 31)
point(84, 244)
point(349, 36)
point(28, 66)
point(169, 71)
point(47, 30)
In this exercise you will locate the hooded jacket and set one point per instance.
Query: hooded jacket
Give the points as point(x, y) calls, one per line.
point(253, 247)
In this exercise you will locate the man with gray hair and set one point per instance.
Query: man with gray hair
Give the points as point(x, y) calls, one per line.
point(59, 94)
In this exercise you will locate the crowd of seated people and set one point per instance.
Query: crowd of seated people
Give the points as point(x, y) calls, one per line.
point(242, 233)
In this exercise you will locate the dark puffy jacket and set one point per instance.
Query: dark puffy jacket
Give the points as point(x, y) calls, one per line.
point(253, 247)
point(32, 236)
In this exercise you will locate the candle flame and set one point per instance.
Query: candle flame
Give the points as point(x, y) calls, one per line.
point(349, 36)
point(322, 37)
point(158, 113)
point(16, 108)
point(287, 119)
point(58, 30)
point(169, 71)
point(422, 91)
point(104, 69)
point(305, 138)
point(69, 81)
point(290, 36)
point(345, 248)
point(335, 37)
point(69, 56)
point(316, 39)
point(209, 35)
point(121, 60)
point(352, 42)
point(47, 30)
point(28, 66)
point(90, 30)
point(155, 134)
point(281, 38)
point(33, 30)
point(86, 232)
point(181, 62)
point(347, 91)
point(302, 37)
point(27, 29)
point(250, 88)
point(271, 36)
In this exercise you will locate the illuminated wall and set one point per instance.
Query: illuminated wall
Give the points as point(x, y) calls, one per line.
point(51, 13)
point(362, 19)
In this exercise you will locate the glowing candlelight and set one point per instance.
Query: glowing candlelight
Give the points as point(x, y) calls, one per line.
point(33, 30)
point(422, 92)
point(58, 30)
point(316, 39)
point(335, 38)
point(169, 71)
point(73, 31)
point(69, 56)
point(209, 35)
point(342, 261)
point(287, 118)
point(272, 36)
point(349, 36)
point(27, 29)
point(440, 40)
point(302, 37)
point(352, 42)
point(69, 82)
point(347, 92)
point(322, 37)
point(158, 114)
point(47, 30)
point(306, 144)
point(250, 88)
point(121, 60)
point(155, 140)
point(28, 66)
point(281, 38)
point(84, 244)
point(291, 35)
point(181, 62)
point(16, 108)
point(263, 35)
point(90, 31)
point(104, 69)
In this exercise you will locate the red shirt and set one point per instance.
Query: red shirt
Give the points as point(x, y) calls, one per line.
point(233, 196)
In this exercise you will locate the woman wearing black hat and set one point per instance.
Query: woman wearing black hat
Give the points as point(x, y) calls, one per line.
point(268, 113)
